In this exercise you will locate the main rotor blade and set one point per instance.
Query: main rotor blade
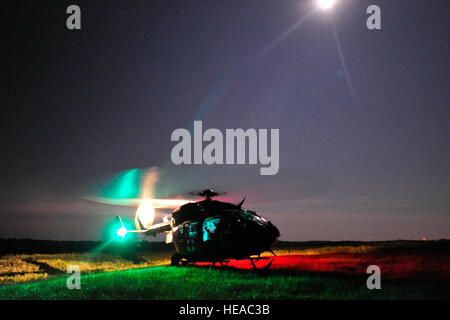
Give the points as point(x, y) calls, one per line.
point(156, 203)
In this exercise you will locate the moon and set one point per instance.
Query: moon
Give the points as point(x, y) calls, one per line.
point(325, 4)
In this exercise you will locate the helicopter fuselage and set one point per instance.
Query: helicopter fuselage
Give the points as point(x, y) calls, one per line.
point(215, 230)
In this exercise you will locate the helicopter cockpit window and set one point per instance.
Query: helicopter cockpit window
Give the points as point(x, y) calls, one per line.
point(252, 216)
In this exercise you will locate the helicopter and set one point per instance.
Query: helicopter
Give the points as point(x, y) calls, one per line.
point(212, 231)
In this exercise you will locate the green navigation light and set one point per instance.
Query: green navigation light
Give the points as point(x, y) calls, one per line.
point(122, 232)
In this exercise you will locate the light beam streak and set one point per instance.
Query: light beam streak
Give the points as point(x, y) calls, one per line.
point(344, 66)
point(286, 33)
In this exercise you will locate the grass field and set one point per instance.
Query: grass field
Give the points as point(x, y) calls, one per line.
point(410, 270)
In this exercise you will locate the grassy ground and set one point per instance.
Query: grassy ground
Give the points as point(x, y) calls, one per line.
point(201, 283)
point(305, 271)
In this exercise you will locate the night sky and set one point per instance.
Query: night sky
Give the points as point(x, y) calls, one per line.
point(363, 114)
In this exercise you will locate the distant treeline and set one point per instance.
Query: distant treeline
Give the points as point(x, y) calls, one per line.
point(29, 246)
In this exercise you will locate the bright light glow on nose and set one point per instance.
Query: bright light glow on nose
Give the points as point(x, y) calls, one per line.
point(146, 214)
point(325, 4)
point(122, 232)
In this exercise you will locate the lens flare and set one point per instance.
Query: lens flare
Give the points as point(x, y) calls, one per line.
point(146, 213)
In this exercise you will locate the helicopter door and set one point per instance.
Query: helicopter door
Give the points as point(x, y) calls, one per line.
point(210, 228)
point(193, 236)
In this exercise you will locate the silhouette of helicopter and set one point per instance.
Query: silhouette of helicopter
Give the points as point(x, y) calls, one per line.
point(212, 231)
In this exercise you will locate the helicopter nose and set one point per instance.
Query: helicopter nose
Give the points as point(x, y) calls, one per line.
point(268, 234)
point(272, 231)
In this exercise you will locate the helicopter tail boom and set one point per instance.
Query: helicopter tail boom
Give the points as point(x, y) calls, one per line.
point(152, 230)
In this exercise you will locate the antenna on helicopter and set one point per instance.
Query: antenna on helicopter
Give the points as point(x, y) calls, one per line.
point(242, 202)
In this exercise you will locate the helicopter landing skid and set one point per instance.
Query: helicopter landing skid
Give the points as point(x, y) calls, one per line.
point(267, 266)
point(225, 262)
